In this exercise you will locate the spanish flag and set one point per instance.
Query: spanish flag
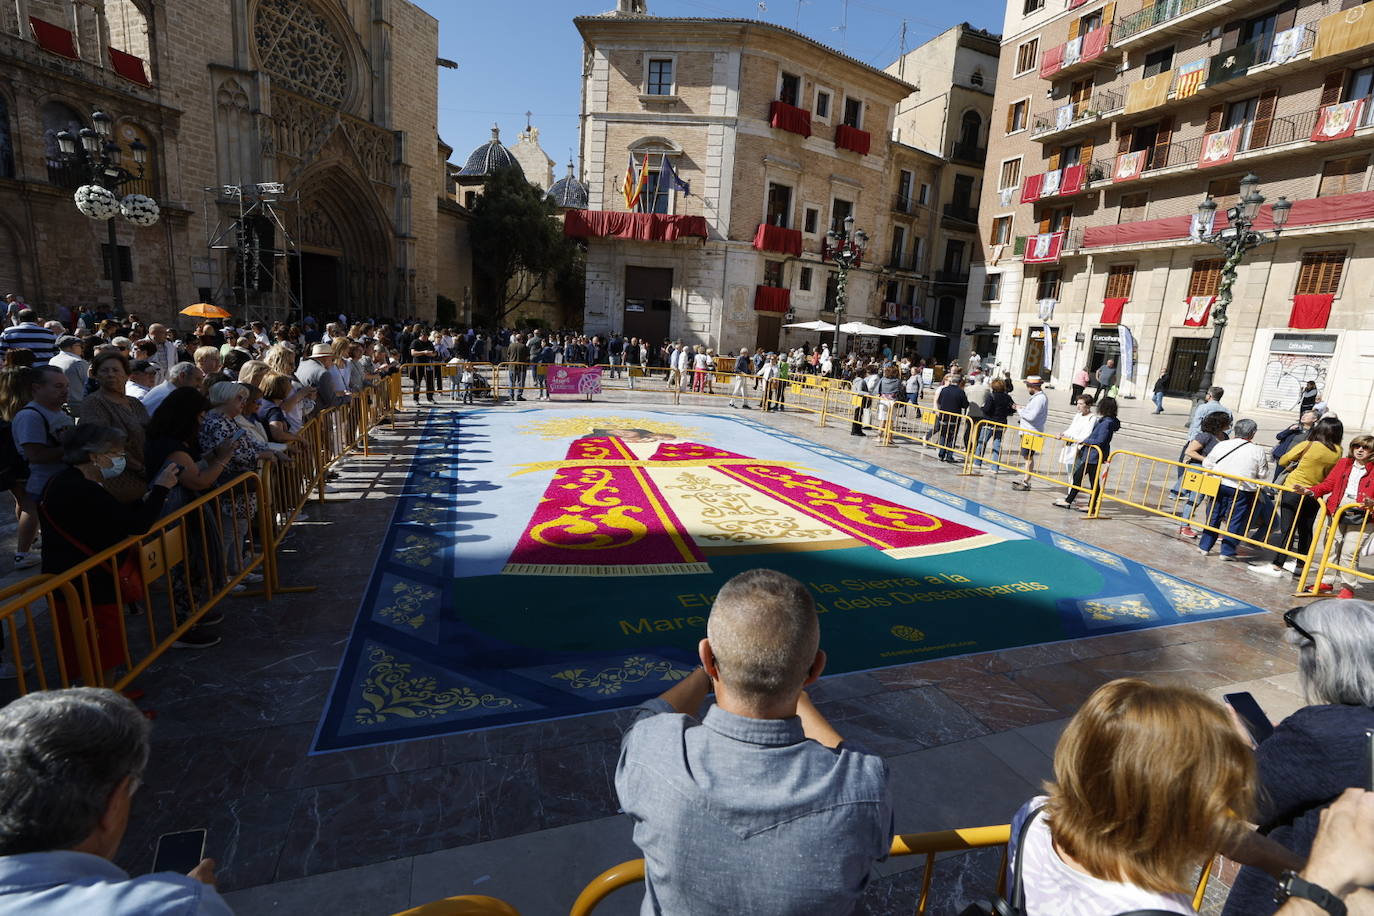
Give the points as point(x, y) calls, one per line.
point(634, 183)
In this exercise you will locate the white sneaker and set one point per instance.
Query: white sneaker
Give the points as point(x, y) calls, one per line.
point(1265, 569)
point(26, 560)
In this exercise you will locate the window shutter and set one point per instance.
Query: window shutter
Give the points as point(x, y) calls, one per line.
point(1230, 35)
point(1011, 116)
point(1045, 223)
point(1086, 155)
point(1108, 14)
point(1073, 28)
point(1264, 118)
point(1206, 279)
point(1320, 272)
point(1123, 140)
point(1286, 16)
point(1018, 247)
point(1214, 116)
point(1343, 176)
point(1160, 154)
point(1331, 88)
point(1054, 159)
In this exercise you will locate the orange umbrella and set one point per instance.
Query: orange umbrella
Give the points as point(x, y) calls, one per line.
point(205, 310)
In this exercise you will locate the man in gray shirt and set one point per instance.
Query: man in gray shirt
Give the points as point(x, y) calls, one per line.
point(759, 807)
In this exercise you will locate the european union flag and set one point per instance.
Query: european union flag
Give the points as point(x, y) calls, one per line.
point(668, 180)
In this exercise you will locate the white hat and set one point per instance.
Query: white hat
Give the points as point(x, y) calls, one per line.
point(1034, 380)
point(321, 349)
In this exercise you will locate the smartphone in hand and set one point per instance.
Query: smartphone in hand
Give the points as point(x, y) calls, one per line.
point(180, 852)
point(1256, 722)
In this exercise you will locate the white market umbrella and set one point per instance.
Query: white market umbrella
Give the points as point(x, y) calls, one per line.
point(863, 330)
point(906, 330)
point(811, 325)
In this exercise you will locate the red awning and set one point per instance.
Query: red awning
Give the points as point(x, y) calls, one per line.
point(642, 227)
point(772, 299)
point(790, 118)
point(851, 138)
point(53, 38)
point(776, 238)
point(129, 66)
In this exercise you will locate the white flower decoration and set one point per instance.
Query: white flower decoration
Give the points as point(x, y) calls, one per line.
point(96, 202)
point(140, 209)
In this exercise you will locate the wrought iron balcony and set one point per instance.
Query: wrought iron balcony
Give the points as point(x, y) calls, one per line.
point(1075, 114)
point(968, 153)
point(961, 212)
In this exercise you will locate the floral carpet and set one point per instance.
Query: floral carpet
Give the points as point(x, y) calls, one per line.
point(545, 565)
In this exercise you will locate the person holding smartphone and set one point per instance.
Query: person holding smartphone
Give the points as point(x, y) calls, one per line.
point(1321, 750)
point(72, 761)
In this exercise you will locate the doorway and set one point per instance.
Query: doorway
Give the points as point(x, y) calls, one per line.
point(769, 328)
point(648, 303)
point(318, 278)
point(1187, 357)
point(1035, 350)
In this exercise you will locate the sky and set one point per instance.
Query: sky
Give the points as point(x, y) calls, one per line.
point(516, 56)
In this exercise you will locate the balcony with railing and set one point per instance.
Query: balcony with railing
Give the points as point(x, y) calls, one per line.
point(1168, 17)
point(903, 203)
point(968, 153)
point(1282, 135)
point(952, 277)
point(961, 213)
point(1082, 54)
point(1075, 117)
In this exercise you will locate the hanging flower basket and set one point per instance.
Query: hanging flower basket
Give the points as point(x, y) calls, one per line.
point(96, 202)
point(140, 209)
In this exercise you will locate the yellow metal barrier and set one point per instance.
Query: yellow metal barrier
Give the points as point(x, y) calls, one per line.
point(912, 844)
point(1035, 455)
point(1240, 509)
point(467, 905)
point(1341, 549)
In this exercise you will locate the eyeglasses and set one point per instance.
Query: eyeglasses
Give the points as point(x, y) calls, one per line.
point(1290, 618)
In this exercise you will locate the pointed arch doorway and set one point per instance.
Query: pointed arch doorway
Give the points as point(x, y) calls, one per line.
point(345, 253)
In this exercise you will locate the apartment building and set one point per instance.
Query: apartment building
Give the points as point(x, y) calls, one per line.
point(1113, 121)
point(769, 139)
point(950, 113)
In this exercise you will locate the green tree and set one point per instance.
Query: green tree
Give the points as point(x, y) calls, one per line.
point(517, 245)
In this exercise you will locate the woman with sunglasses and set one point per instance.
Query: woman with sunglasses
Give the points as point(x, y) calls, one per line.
point(1350, 481)
point(1319, 751)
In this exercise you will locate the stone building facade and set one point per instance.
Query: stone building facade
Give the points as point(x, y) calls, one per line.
point(777, 138)
point(1134, 113)
point(950, 114)
point(335, 99)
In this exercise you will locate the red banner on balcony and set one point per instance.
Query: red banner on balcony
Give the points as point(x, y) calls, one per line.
point(1044, 248)
point(772, 299)
point(642, 227)
point(1051, 62)
point(1149, 230)
point(129, 66)
point(1219, 148)
point(53, 38)
point(852, 139)
point(1112, 308)
point(1129, 166)
point(1071, 182)
point(1199, 307)
point(1030, 191)
point(1336, 122)
point(776, 238)
point(1310, 312)
point(1094, 43)
point(790, 118)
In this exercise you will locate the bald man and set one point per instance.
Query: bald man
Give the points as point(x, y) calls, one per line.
point(758, 807)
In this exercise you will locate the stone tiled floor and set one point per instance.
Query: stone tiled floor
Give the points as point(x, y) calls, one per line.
point(375, 830)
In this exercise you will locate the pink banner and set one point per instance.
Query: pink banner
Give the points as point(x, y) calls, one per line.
point(572, 380)
point(1336, 122)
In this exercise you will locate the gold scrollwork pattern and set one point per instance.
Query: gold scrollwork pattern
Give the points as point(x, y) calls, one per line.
point(408, 604)
point(856, 507)
point(729, 509)
point(417, 550)
point(390, 691)
point(580, 529)
point(1109, 610)
point(1187, 598)
point(612, 680)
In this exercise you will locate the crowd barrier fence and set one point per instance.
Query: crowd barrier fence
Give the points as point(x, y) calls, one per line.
point(1032, 454)
point(1343, 546)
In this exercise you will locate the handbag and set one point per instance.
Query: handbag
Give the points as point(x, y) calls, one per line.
point(1287, 469)
point(1015, 903)
point(130, 571)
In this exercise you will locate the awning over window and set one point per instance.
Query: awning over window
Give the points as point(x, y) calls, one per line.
point(852, 139)
point(642, 227)
point(53, 38)
point(129, 66)
point(772, 299)
point(776, 238)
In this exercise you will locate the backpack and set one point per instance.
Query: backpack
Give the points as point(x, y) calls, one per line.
point(12, 461)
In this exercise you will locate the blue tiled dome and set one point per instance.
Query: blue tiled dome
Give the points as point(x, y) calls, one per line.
point(568, 193)
point(488, 158)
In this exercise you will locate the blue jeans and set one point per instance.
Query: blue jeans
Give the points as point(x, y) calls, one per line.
point(992, 434)
point(1234, 506)
point(1159, 401)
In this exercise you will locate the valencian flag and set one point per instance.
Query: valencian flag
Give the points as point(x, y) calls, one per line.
point(635, 182)
point(1189, 80)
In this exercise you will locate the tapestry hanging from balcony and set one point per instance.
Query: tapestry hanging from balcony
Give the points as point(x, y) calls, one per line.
point(1336, 122)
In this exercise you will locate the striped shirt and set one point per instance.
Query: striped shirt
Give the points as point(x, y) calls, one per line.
point(30, 336)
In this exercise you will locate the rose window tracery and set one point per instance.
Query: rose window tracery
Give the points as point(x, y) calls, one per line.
point(300, 49)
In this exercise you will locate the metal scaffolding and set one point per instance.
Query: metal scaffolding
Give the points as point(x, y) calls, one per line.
point(257, 277)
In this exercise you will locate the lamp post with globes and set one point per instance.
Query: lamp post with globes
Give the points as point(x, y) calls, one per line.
point(1234, 241)
point(99, 157)
point(846, 248)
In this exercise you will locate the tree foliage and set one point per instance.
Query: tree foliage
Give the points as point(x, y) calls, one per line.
point(517, 245)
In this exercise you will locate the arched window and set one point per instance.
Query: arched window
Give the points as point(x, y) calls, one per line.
point(125, 134)
point(970, 129)
point(57, 117)
point(6, 146)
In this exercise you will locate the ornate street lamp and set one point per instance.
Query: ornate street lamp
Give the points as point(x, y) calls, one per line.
point(846, 248)
point(99, 162)
point(1238, 238)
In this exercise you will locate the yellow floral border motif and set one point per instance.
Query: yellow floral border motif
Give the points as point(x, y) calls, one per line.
point(578, 426)
point(1112, 609)
point(408, 605)
point(612, 680)
point(389, 691)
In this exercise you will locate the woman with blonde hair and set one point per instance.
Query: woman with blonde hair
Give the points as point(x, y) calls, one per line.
point(343, 350)
point(1149, 783)
point(300, 404)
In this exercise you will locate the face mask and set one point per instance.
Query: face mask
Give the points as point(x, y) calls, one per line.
point(115, 469)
